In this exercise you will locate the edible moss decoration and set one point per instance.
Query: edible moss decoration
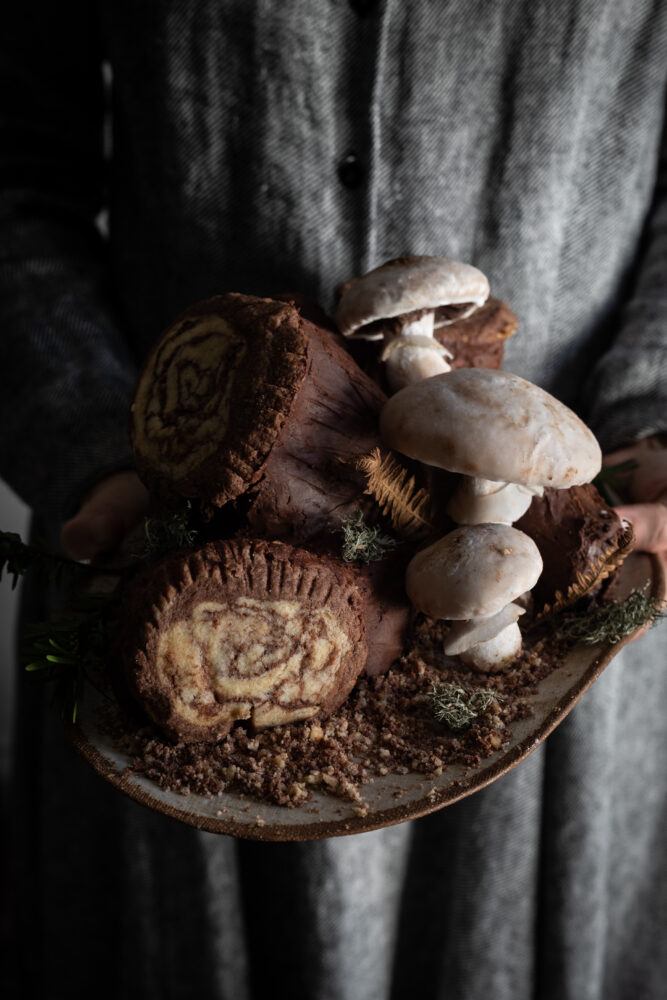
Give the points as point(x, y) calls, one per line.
point(363, 543)
point(611, 622)
point(167, 531)
point(64, 652)
point(457, 707)
point(396, 493)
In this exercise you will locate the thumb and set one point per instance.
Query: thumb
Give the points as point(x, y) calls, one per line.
point(106, 516)
point(649, 522)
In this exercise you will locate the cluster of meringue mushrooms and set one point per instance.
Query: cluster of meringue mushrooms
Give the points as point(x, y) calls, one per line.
point(507, 439)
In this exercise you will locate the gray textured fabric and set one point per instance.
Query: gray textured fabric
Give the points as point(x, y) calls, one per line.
point(522, 136)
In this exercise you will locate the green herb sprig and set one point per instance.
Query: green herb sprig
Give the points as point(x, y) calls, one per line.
point(167, 531)
point(456, 707)
point(18, 558)
point(611, 480)
point(363, 543)
point(66, 651)
point(612, 621)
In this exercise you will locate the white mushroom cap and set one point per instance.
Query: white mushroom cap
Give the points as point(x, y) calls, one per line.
point(404, 285)
point(494, 425)
point(473, 571)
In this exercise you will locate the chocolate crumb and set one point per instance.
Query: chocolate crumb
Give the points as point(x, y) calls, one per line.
point(385, 727)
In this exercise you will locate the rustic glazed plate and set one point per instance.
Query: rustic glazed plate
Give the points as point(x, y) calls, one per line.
point(392, 798)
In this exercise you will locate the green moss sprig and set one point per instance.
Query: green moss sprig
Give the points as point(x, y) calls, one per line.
point(363, 543)
point(456, 707)
point(170, 530)
point(611, 480)
point(612, 621)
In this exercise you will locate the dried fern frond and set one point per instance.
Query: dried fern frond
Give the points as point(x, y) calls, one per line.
point(598, 571)
point(395, 492)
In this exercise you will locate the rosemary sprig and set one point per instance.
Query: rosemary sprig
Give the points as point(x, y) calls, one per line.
point(66, 651)
point(457, 707)
point(362, 543)
point(18, 558)
point(170, 530)
point(611, 479)
point(612, 621)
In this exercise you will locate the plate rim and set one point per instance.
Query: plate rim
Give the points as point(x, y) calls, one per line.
point(431, 802)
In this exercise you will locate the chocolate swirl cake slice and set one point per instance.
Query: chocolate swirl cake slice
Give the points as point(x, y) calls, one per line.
point(242, 630)
point(213, 394)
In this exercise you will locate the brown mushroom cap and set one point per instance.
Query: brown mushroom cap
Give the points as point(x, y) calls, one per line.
point(473, 571)
point(404, 285)
point(493, 425)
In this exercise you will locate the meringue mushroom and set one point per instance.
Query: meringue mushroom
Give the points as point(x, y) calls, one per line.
point(506, 436)
point(403, 301)
point(473, 576)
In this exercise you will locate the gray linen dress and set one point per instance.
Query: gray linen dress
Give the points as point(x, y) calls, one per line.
point(262, 146)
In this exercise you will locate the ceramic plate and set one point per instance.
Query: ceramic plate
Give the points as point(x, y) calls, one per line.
point(392, 798)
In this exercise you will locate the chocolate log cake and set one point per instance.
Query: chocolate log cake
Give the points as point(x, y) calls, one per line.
point(243, 398)
point(581, 540)
point(242, 630)
point(478, 340)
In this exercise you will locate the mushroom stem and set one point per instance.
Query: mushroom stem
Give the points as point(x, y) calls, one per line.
point(422, 327)
point(414, 354)
point(493, 654)
point(463, 635)
point(484, 501)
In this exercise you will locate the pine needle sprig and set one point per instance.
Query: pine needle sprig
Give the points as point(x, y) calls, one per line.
point(363, 543)
point(170, 530)
point(611, 480)
point(396, 493)
point(456, 707)
point(612, 621)
point(65, 652)
point(18, 558)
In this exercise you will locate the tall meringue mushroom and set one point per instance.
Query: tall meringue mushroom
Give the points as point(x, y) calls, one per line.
point(473, 577)
point(402, 302)
point(506, 436)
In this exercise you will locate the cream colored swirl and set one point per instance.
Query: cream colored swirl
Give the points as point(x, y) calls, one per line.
point(276, 661)
point(182, 406)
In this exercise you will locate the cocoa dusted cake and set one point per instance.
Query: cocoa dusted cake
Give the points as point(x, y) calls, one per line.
point(478, 340)
point(244, 400)
point(581, 540)
point(261, 641)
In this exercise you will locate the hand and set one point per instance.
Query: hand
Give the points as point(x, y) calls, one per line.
point(108, 513)
point(648, 486)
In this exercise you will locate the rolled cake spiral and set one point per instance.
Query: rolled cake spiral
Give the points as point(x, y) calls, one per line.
point(213, 394)
point(242, 630)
